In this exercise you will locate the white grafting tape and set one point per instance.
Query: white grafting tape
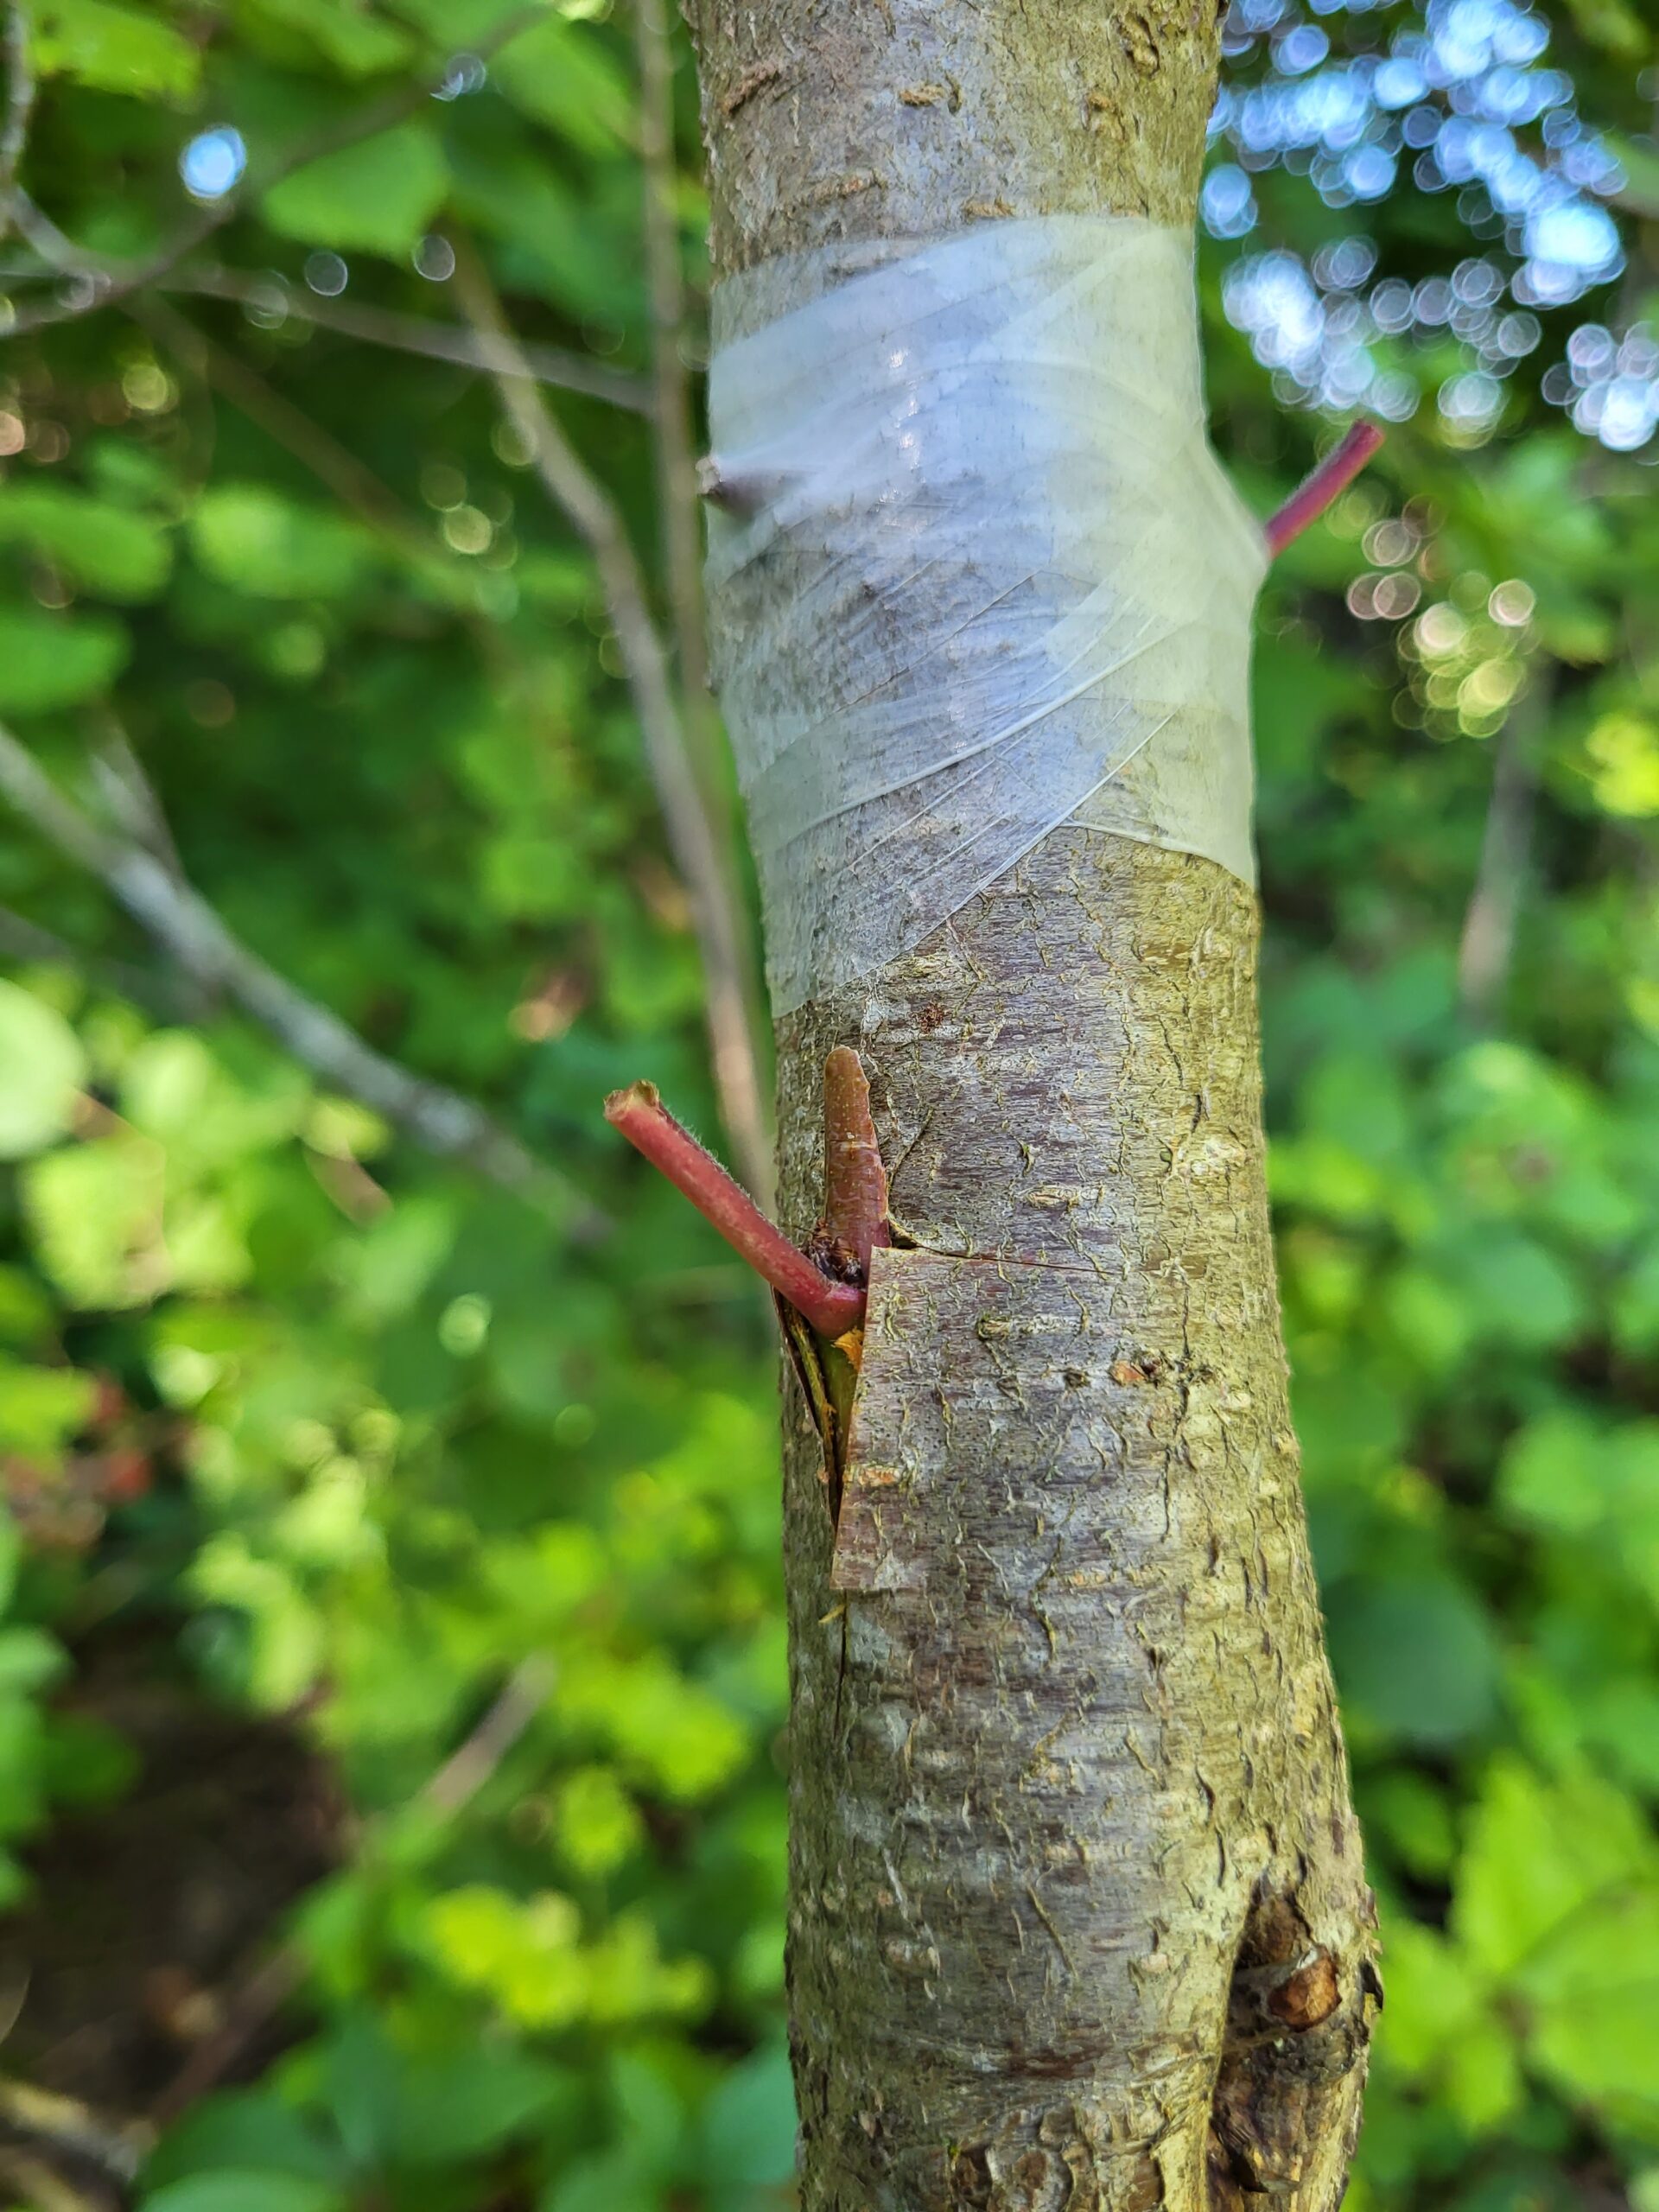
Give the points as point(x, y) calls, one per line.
point(973, 571)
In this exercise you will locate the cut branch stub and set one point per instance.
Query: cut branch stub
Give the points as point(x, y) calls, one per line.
point(832, 1307)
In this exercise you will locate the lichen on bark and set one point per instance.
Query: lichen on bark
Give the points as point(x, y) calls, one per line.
point(1077, 1912)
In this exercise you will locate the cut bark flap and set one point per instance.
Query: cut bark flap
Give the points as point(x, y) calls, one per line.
point(875, 1547)
point(881, 1539)
point(931, 1316)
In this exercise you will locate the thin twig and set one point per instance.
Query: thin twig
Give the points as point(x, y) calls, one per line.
point(718, 920)
point(679, 527)
point(1331, 478)
point(114, 2149)
point(130, 797)
point(261, 1996)
point(414, 333)
point(1486, 947)
point(20, 107)
point(446, 1792)
point(30, 2181)
point(177, 917)
point(677, 485)
point(470, 1765)
point(53, 246)
point(25, 944)
point(334, 466)
point(108, 280)
point(640, 1115)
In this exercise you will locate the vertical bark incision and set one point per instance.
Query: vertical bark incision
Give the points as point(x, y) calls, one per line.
point(1077, 1914)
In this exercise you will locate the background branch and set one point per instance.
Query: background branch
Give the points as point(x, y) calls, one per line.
point(679, 524)
point(334, 466)
point(446, 1792)
point(24, 943)
point(718, 919)
point(1486, 948)
point(420, 334)
point(676, 489)
point(129, 797)
point(111, 280)
point(20, 107)
point(180, 921)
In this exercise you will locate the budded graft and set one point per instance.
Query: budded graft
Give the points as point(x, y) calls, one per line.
point(1079, 1914)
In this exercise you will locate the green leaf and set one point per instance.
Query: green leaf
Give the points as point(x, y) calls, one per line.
point(1639, 159)
point(611, 2181)
point(1414, 1816)
point(29, 1661)
point(246, 2131)
point(1613, 25)
point(21, 1797)
point(244, 2190)
point(115, 50)
point(285, 1637)
point(1635, 1302)
point(466, 2104)
point(1593, 1993)
point(11, 1556)
point(25, 1309)
point(650, 2110)
point(684, 1739)
point(85, 1761)
point(342, 32)
point(106, 548)
point(42, 1070)
point(1482, 2081)
point(1570, 1475)
point(597, 1825)
point(1300, 698)
point(1537, 1853)
point(93, 1209)
point(1518, 1292)
point(271, 547)
point(524, 1956)
point(1551, 1474)
point(748, 2129)
point(56, 660)
point(1417, 1658)
point(379, 195)
point(1624, 751)
point(42, 1408)
point(558, 74)
point(505, 185)
point(361, 2085)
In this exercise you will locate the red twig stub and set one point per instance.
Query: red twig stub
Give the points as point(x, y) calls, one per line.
point(1328, 481)
point(832, 1307)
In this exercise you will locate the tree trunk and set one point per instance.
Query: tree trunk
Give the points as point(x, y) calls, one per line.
point(1078, 1918)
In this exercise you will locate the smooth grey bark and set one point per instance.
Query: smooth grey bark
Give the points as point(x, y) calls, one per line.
point(1078, 1918)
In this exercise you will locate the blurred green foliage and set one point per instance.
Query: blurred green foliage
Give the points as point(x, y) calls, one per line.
point(465, 1519)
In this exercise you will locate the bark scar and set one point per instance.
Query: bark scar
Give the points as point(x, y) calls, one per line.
point(1299, 2020)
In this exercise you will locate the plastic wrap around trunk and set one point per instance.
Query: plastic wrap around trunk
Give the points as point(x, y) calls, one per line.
point(973, 571)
